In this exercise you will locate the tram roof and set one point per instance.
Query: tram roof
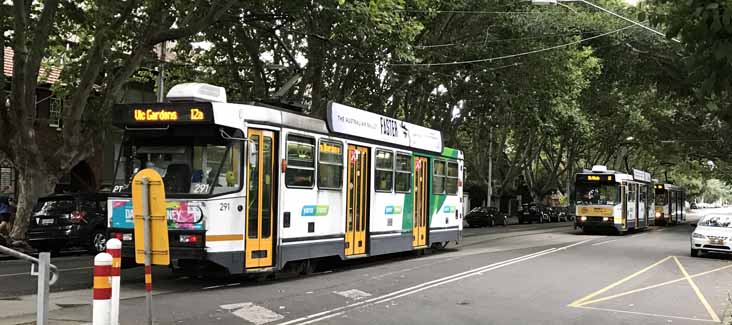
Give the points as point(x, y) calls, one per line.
point(238, 115)
point(669, 187)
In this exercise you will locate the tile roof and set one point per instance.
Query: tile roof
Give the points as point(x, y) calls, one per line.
point(47, 75)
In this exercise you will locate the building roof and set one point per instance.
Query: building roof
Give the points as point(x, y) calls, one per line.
point(46, 75)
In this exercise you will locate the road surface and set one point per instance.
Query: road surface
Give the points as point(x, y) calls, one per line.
point(527, 274)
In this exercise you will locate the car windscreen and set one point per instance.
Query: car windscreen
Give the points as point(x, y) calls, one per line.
point(721, 221)
point(55, 206)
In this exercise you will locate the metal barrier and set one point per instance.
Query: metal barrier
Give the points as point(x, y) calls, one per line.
point(44, 281)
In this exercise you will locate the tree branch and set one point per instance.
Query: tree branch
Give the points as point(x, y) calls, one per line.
point(199, 24)
point(40, 43)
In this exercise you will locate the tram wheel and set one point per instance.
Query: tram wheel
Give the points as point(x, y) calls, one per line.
point(439, 246)
point(308, 267)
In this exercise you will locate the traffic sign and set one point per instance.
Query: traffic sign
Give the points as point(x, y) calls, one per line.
point(148, 186)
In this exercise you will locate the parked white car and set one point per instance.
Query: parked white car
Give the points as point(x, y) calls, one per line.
point(713, 233)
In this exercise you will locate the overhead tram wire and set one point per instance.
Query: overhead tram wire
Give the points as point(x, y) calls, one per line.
point(503, 57)
point(422, 47)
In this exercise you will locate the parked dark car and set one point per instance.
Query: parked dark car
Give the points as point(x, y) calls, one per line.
point(532, 212)
point(484, 216)
point(693, 205)
point(73, 220)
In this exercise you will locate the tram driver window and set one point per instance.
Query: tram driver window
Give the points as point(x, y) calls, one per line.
point(384, 171)
point(300, 170)
point(451, 185)
point(438, 177)
point(403, 182)
point(330, 165)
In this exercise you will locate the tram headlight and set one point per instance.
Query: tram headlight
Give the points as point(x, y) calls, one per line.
point(583, 218)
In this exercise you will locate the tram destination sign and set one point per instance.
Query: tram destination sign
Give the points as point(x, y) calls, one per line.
point(596, 178)
point(356, 122)
point(163, 113)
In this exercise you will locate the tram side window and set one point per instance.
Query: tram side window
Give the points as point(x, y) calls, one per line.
point(451, 185)
point(300, 170)
point(330, 165)
point(384, 171)
point(438, 177)
point(403, 182)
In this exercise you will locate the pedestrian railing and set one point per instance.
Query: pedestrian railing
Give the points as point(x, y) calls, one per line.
point(47, 274)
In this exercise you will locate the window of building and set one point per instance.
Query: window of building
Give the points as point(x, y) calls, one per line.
point(451, 185)
point(438, 177)
point(403, 181)
point(330, 165)
point(54, 113)
point(7, 177)
point(300, 170)
point(384, 171)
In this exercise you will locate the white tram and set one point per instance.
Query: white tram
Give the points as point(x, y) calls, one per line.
point(613, 200)
point(251, 188)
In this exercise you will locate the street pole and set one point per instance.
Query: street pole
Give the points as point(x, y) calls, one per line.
point(490, 166)
point(147, 247)
point(161, 74)
point(44, 260)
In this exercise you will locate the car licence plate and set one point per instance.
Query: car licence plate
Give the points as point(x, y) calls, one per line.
point(47, 222)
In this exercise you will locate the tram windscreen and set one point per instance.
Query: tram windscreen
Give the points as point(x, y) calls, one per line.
point(661, 198)
point(200, 168)
point(599, 194)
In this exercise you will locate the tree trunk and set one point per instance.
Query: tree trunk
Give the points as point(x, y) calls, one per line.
point(33, 183)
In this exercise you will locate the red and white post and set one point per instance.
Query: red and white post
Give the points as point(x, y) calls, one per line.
point(102, 292)
point(114, 248)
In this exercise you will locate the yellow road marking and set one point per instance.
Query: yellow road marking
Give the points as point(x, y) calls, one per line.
point(698, 292)
point(651, 286)
point(580, 301)
point(647, 314)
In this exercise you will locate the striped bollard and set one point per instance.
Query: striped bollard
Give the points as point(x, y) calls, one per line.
point(114, 248)
point(102, 293)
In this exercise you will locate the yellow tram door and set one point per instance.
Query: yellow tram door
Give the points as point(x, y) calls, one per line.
point(260, 194)
point(421, 199)
point(357, 200)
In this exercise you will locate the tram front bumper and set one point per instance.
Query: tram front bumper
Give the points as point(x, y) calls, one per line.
point(594, 222)
point(177, 250)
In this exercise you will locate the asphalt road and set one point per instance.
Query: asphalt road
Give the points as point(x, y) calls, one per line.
point(528, 274)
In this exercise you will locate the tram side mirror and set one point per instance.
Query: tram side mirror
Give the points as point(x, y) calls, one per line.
point(253, 154)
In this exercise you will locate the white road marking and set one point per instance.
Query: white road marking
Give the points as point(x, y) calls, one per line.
point(353, 294)
point(252, 313)
point(423, 286)
point(604, 242)
point(648, 314)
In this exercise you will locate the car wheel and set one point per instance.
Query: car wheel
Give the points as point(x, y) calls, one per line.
point(694, 252)
point(98, 241)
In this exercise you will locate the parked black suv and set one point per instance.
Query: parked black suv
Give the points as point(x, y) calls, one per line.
point(69, 220)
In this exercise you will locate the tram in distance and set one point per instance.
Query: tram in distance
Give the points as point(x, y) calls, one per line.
point(670, 204)
point(253, 188)
point(611, 200)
